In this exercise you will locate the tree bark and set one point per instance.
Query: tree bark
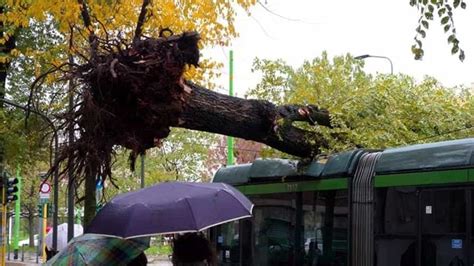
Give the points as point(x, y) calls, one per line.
point(31, 232)
point(90, 202)
point(255, 120)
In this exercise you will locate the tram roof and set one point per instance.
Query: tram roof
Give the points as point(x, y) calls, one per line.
point(414, 158)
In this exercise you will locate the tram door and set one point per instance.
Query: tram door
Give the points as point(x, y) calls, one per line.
point(424, 227)
point(445, 227)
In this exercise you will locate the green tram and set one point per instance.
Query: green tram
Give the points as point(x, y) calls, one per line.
point(403, 206)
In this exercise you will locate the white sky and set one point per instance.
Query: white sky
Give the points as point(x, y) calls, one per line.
point(376, 27)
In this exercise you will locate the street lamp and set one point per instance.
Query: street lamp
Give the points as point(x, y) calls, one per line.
point(360, 57)
point(56, 170)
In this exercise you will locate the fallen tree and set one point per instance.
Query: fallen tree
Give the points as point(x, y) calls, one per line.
point(132, 93)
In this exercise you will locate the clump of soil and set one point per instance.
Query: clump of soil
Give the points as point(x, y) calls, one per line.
point(130, 95)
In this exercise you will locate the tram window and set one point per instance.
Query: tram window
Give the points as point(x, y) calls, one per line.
point(325, 229)
point(443, 226)
point(400, 211)
point(472, 224)
point(395, 226)
point(274, 222)
point(313, 233)
point(444, 212)
point(228, 249)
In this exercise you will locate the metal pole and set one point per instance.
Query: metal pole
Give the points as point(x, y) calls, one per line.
point(230, 140)
point(2, 238)
point(16, 225)
point(384, 57)
point(43, 233)
point(142, 171)
point(39, 252)
point(70, 173)
point(55, 195)
point(4, 225)
point(56, 171)
point(9, 226)
point(377, 56)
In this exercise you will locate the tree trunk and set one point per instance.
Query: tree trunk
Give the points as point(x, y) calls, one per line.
point(31, 232)
point(255, 120)
point(90, 202)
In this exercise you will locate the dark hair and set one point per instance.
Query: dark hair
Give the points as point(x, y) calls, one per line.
point(193, 248)
point(139, 260)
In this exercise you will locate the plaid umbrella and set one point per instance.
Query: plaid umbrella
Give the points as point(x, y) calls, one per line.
point(92, 249)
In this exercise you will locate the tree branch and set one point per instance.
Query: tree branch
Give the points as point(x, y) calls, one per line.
point(87, 23)
point(141, 21)
point(255, 120)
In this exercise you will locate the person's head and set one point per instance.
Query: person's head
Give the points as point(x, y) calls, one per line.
point(193, 249)
point(140, 260)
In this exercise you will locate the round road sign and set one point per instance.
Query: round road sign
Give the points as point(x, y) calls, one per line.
point(45, 188)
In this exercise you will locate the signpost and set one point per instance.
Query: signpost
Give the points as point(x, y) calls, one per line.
point(45, 189)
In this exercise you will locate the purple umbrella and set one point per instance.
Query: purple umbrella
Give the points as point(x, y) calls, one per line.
point(172, 207)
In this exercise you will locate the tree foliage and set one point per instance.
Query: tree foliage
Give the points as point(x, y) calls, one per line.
point(95, 31)
point(369, 111)
point(444, 10)
point(214, 20)
point(181, 157)
point(130, 74)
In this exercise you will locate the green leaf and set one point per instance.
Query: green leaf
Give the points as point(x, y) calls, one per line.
point(429, 15)
point(451, 38)
point(456, 3)
point(441, 11)
point(462, 56)
point(455, 49)
point(430, 8)
point(444, 20)
point(419, 54)
point(434, 2)
point(425, 24)
point(422, 33)
point(420, 44)
point(447, 27)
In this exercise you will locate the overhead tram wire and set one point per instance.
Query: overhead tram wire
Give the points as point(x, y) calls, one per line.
point(283, 17)
point(441, 134)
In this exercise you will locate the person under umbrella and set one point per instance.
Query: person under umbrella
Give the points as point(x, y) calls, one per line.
point(170, 208)
point(193, 249)
point(62, 238)
point(93, 249)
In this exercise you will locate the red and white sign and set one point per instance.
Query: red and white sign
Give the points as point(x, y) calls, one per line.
point(45, 190)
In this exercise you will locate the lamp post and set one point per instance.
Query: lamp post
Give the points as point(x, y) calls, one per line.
point(56, 170)
point(360, 57)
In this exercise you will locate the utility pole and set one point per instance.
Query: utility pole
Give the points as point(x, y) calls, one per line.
point(70, 172)
point(16, 225)
point(230, 140)
point(142, 171)
point(360, 57)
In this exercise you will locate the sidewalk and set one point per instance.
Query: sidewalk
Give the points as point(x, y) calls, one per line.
point(153, 261)
point(19, 263)
point(31, 260)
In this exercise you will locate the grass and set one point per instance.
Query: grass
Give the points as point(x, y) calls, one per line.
point(158, 249)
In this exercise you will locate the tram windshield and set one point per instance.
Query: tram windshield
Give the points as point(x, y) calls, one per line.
point(304, 228)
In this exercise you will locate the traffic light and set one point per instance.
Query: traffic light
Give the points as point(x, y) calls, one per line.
point(9, 184)
point(40, 210)
point(50, 210)
point(10, 188)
